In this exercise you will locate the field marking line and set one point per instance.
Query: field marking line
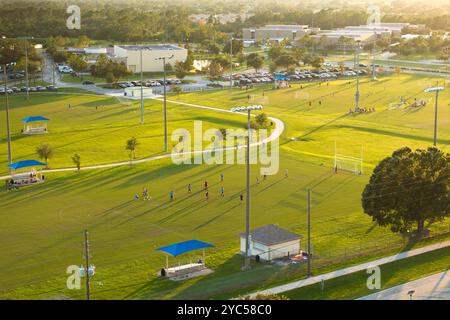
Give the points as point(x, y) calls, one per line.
point(342, 272)
point(276, 133)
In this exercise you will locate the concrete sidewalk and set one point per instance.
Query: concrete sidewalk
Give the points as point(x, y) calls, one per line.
point(345, 271)
point(435, 287)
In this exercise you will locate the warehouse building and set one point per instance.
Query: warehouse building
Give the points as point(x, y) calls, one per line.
point(151, 54)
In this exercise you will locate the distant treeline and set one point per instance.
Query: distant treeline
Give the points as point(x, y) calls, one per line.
point(168, 21)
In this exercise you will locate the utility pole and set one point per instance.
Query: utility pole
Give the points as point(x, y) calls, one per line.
point(8, 129)
point(309, 233)
point(142, 90)
point(86, 268)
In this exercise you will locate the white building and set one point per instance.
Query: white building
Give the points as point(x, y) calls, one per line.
point(135, 93)
point(271, 242)
point(275, 33)
point(131, 55)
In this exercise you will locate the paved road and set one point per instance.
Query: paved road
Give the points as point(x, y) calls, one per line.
point(342, 272)
point(279, 128)
point(435, 287)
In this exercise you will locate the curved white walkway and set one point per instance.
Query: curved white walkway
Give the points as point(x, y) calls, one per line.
point(276, 133)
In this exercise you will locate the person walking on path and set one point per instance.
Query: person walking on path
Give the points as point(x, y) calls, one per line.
point(171, 195)
point(222, 191)
point(205, 185)
point(189, 188)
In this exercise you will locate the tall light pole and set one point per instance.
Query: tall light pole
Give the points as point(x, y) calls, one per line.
point(374, 75)
point(25, 39)
point(165, 99)
point(26, 70)
point(142, 89)
point(248, 110)
point(8, 129)
point(358, 47)
point(437, 90)
point(231, 60)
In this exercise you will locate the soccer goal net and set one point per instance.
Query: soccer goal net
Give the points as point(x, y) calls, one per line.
point(348, 163)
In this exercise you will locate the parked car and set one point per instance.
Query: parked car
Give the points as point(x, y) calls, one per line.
point(87, 82)
point(52, 88)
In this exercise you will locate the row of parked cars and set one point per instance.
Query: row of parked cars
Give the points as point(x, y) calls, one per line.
point(12, 90)
point(148, 83)
point(251, 78)
point(303, 75)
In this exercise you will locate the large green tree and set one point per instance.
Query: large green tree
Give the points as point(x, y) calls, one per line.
point(255, 61)
point(409, 188)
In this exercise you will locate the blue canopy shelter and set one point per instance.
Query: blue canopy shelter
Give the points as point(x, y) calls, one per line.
point(281, 78)
point(23, 178)
point(35, 125)
point(281, 81)
point(177, 249)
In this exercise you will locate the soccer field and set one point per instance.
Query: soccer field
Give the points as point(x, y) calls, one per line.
point(42, 226)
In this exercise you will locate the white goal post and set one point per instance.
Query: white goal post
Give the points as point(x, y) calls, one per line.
point(348, 163)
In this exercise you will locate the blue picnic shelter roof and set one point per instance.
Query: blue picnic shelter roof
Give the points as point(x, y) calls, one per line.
point(182, 247)
point(34, 118)
point(25, 164)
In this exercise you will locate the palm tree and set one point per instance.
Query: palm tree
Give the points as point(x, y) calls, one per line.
point(44, 152)
point(131, 146)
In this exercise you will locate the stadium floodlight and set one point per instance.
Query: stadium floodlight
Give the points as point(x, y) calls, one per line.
point(437, 90)
point(249, 110)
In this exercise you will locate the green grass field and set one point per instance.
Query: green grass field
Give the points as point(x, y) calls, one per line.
point(42, 226)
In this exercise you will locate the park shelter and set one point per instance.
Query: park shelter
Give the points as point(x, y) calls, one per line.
point(272, 242)
point(281, 81)
point(35, 125)
point(180, 248)
point(24, 173)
